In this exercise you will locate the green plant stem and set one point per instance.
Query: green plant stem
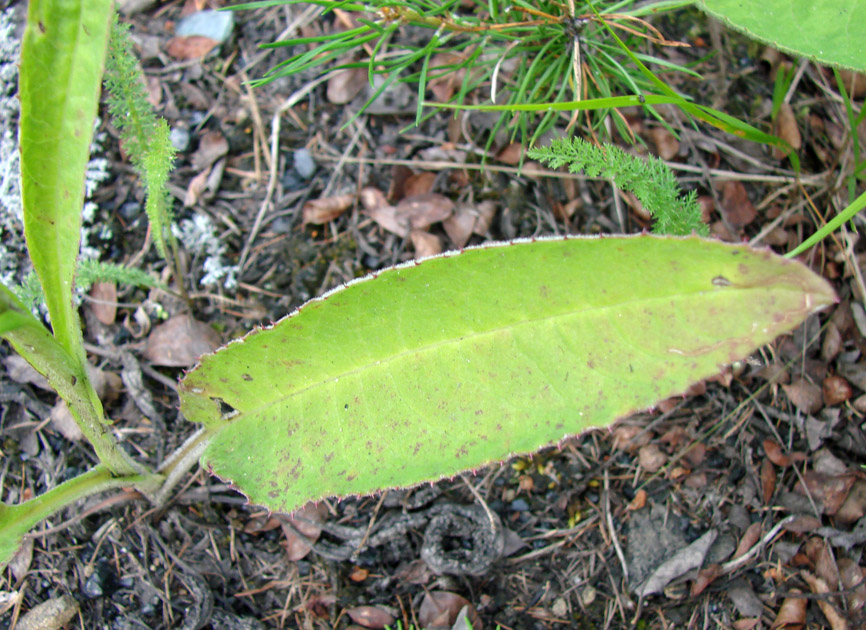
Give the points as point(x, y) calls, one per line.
point(856, 206)
point(17, 520)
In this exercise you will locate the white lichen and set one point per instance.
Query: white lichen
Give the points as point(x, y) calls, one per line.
point(199, 237)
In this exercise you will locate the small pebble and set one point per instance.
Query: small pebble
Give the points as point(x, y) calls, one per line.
point(217, 25)
point(304, 164)
point(179, 139)
point(131, 209)
point(519, 505)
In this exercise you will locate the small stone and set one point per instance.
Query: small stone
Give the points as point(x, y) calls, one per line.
point(216, 25)
point(304, 163)
point(519, 505)
point(179, 139)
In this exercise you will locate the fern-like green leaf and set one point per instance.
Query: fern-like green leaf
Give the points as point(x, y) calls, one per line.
point(651, 181)
point(145, 137)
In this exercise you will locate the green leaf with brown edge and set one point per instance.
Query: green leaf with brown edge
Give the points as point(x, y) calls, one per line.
point(429, 369)
point(62, 58)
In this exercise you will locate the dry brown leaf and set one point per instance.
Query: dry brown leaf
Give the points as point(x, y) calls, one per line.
point(651, 458)
point(52, 614)
point(103, 303)
point(439, 609)
point(820, 558)
point(308, 522)
point(786, 128)
point(212, 146)
point(751, 536)
point(344, 85)
point(832, 343)
point(747, 623)
point(639, 501)
point(359, 574)
point(422, 211)
point(190, 47)
point(836, 390)
point(829, 491)
point(321, 211)
point(792, 613)
point(419, 184)
point(805, 396)
point(852, 581)
point(819, 587)
point(460, 225)
point(180, 341)
point(19, 564)
point(511, 154)
point(194, 189)
point(388, 219)
point(705, 577)
point(775, 454)
point(425, 244)
point(768, 480)
point(64, 423)
point(630, 438)
point(736, 207)
point(372, 198)
point(854, 506)
point(667, 145)
point(371, 616)
point(674, 438)
point(443, 86)
point(20, 371)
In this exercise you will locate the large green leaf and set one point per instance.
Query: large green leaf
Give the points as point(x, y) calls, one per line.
point(826, 31)
point(434, 368)
point(62, 58)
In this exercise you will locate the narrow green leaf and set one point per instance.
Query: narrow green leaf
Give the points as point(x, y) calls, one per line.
point(826, 31)
point(62, 58)
point(437, 367)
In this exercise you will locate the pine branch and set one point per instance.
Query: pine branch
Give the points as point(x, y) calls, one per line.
point(651, 181)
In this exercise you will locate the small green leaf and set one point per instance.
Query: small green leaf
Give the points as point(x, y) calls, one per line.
point(62, 57)
point(437, 367)
point(826, 31)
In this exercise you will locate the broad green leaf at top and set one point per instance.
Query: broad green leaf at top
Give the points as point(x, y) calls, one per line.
point(829, 32)
point(437, 367)
point(62, 58)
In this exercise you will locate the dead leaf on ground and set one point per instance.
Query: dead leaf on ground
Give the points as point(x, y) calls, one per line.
point(103, 304)
point(439, 609)
point(52, 614)
point(792, 613)
point(683, 561)
point(852, 580)
point(19, 564)
point(667, 145)
point(828, 491)
point(639, 501)
point(820, 587)
point(736, 207)
point(371, 616)
point(425, 244)
point(751, 536)
point(651, 458)
point(775, 454)
point(832, 343)
point(180, 341)
point(854, 506)
point(444, 85)
point(20, 371)
point(768, 480)
point(195, 188)
point(388, 219)
point(344, 85)
point(836, 390)
point(706, 576)
point(745, 600)
point(326, 209)
point(511, 154)
point(190, 47)
point(630, 438)
point(786, 128)
point(211, 147)
point(308, 522)
point(422, 211)
point(805, 396)
point(419, 184)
